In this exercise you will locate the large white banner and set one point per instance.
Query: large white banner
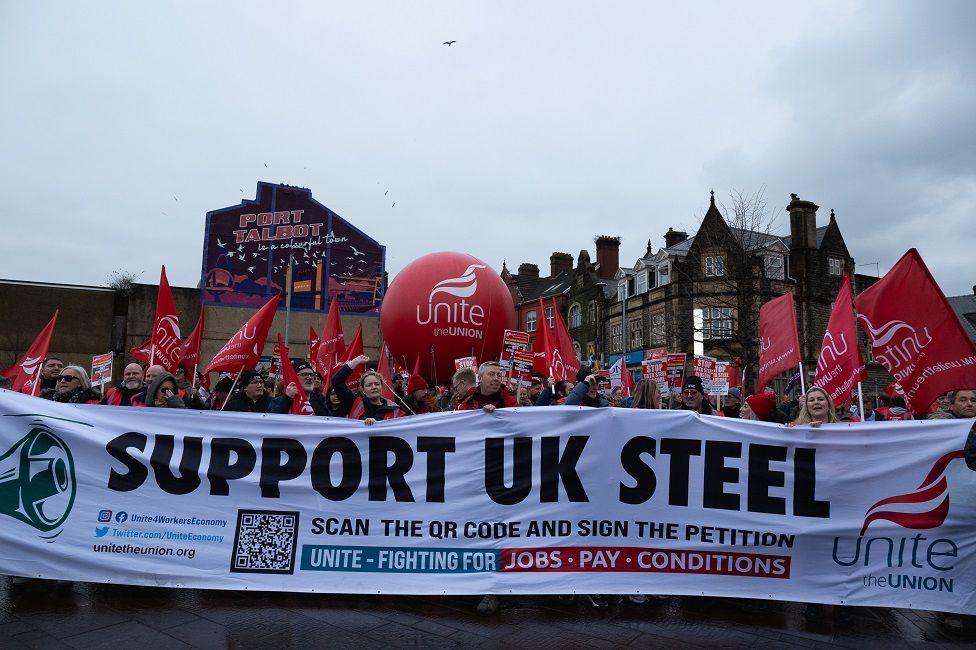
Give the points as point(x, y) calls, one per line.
point(533, 500)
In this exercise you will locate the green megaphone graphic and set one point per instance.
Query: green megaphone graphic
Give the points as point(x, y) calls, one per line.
point(37, 480)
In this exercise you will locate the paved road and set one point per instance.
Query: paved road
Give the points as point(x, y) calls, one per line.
point(50, 615)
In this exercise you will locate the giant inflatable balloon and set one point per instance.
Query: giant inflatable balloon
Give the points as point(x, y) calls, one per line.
point(442, 307)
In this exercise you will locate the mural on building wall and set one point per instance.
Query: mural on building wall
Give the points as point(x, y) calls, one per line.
point(247, 248)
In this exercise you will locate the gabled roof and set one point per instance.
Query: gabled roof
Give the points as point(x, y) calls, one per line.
point(965, 308)
point(535, 288)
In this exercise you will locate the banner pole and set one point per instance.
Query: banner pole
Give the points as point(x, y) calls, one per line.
point(36, 388)
point(232, 387)
point(860, 401)
point(803, 383)
point(397, 397)
point(193, 384)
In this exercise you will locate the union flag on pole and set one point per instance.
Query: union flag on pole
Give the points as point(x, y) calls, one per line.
point(243, 350)
point(313, 343)
point(779, 345)
point(26, 373)
point(383, 367)
point(190, 350)
point(299, 404)
point(354, 350)
point(915, 334)
point(165, 339)
point(564, 341)
point(332, 346)
point(840, 367)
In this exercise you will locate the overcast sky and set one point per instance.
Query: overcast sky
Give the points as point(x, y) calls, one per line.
point(545, 124)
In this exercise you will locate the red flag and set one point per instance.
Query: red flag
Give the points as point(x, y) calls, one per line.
point(299, 403)
point(165, 339)
point(545, 350)
point(25, 374)
point(779, 345)
point(564, 342)
point(141, 353)
point(840, 366)
point(313, 343)
point(354, 350)
point(243, 350)
point(332, 346)
point(915, 334)
point(278, 357)
point(626, 380)
point(190, 350)
point(384, 369)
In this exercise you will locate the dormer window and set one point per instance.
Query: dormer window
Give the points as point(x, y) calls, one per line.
point(663, 274)
point(641, 282)
point(774, 266)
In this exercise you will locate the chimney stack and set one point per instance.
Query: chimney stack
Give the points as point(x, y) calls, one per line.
point(672, 237)
point(608, 255)
point(559, 262)
point(528, 270)
point(803, 223)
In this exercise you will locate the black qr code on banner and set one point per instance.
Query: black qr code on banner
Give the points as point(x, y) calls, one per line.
point(265, 542)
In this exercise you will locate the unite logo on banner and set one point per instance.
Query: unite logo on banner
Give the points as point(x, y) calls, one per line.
point(456, 317)
point(167, 339)
point(896, 355)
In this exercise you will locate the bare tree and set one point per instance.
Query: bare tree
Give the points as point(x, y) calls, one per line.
point(122, 280)
point(744, 237)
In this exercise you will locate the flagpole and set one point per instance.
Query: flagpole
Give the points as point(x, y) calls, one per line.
point(193, 384)
point(37, 381)
point(398, 398)
point(803, 384)
point(288, 284)
point(860, 401)
point(232, 387)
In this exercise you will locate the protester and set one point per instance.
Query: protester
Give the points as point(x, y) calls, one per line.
point(461, 383)
point(418, 399)
point(646, 395)
point(220, 392)
point(585, 392)
point(73, 387)
point(693, 397)
point(816, 408)
point(163, 392)
point(250, 396)
point(898, 410)
point(535, 388)
point(732, 403)
point(555, 393)
point(489, 394)
point(50, 371)
point(761, 407)
point(306, 375)
point(194, 398)
point(940, 405)
point(130, 386)
point(370, 405)
point(334, 403)
point(5, 382)
point(962, 404)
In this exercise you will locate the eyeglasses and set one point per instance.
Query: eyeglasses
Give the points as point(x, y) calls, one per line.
point(67, 378)
point(307, 375)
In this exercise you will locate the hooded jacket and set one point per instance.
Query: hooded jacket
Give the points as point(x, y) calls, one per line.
point(174, 401)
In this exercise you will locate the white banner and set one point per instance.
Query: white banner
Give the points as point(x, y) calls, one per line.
point(531, 500)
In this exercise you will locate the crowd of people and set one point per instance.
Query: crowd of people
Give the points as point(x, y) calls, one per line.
point(486, 389)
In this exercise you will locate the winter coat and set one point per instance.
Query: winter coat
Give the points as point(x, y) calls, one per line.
point(475, 400)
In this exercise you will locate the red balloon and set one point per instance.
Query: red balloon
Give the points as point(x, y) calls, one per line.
point(451, 303)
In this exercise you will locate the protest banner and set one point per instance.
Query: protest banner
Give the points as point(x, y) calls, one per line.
point(655, 370)
point(610, 501)
point(703, 367)
point(720, 380)
point(101, 369)
point(521, 373)
point(512, 342)
point(466, 362)
point(676, 370)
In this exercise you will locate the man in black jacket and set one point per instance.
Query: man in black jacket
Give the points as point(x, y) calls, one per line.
point(250, 394)
point(306, 375)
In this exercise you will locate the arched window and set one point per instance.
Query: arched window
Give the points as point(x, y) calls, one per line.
point(575, 315)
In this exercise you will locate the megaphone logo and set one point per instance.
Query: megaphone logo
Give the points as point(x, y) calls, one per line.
point(37, 480)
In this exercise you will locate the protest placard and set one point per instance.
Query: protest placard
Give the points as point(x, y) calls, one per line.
point(102, 369)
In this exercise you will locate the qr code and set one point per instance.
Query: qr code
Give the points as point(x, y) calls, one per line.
point(265, 542)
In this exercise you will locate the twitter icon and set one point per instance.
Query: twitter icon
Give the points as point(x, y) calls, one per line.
point(101, 532)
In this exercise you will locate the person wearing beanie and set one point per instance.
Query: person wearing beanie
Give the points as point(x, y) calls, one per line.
point(585, 392)
point(693, 397)
point(759, 407)
point(732, 404)
point(250, 395)
point(418, 396)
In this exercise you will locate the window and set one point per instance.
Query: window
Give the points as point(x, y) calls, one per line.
point(835, 266)
point(715, 266)
point(657, 329)
point(549, 316)
point(591, 312)
point(717, 322)
point(622, 290)
point(575, 315)
point(774, 267)
point(636, 331)
point(641, 282)
point(530, 320)
point(663, 274)
point(615, 337)
point(651, 277)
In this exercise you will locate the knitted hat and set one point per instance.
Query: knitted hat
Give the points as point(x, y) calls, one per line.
point(762, 404)
point(694, 383)
point(302, 365)
point(415, 383)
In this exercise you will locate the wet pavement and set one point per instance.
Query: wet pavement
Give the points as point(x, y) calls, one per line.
point(51, 615)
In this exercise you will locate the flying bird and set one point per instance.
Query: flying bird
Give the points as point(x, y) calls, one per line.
point(356, 252)
point(250, 269)
point(176, 199)
point(240, 249)
point(220, 243)
point(386, 192)
point(265, 164)
point(230, 253)
point(449, 43)
point(394, 205)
